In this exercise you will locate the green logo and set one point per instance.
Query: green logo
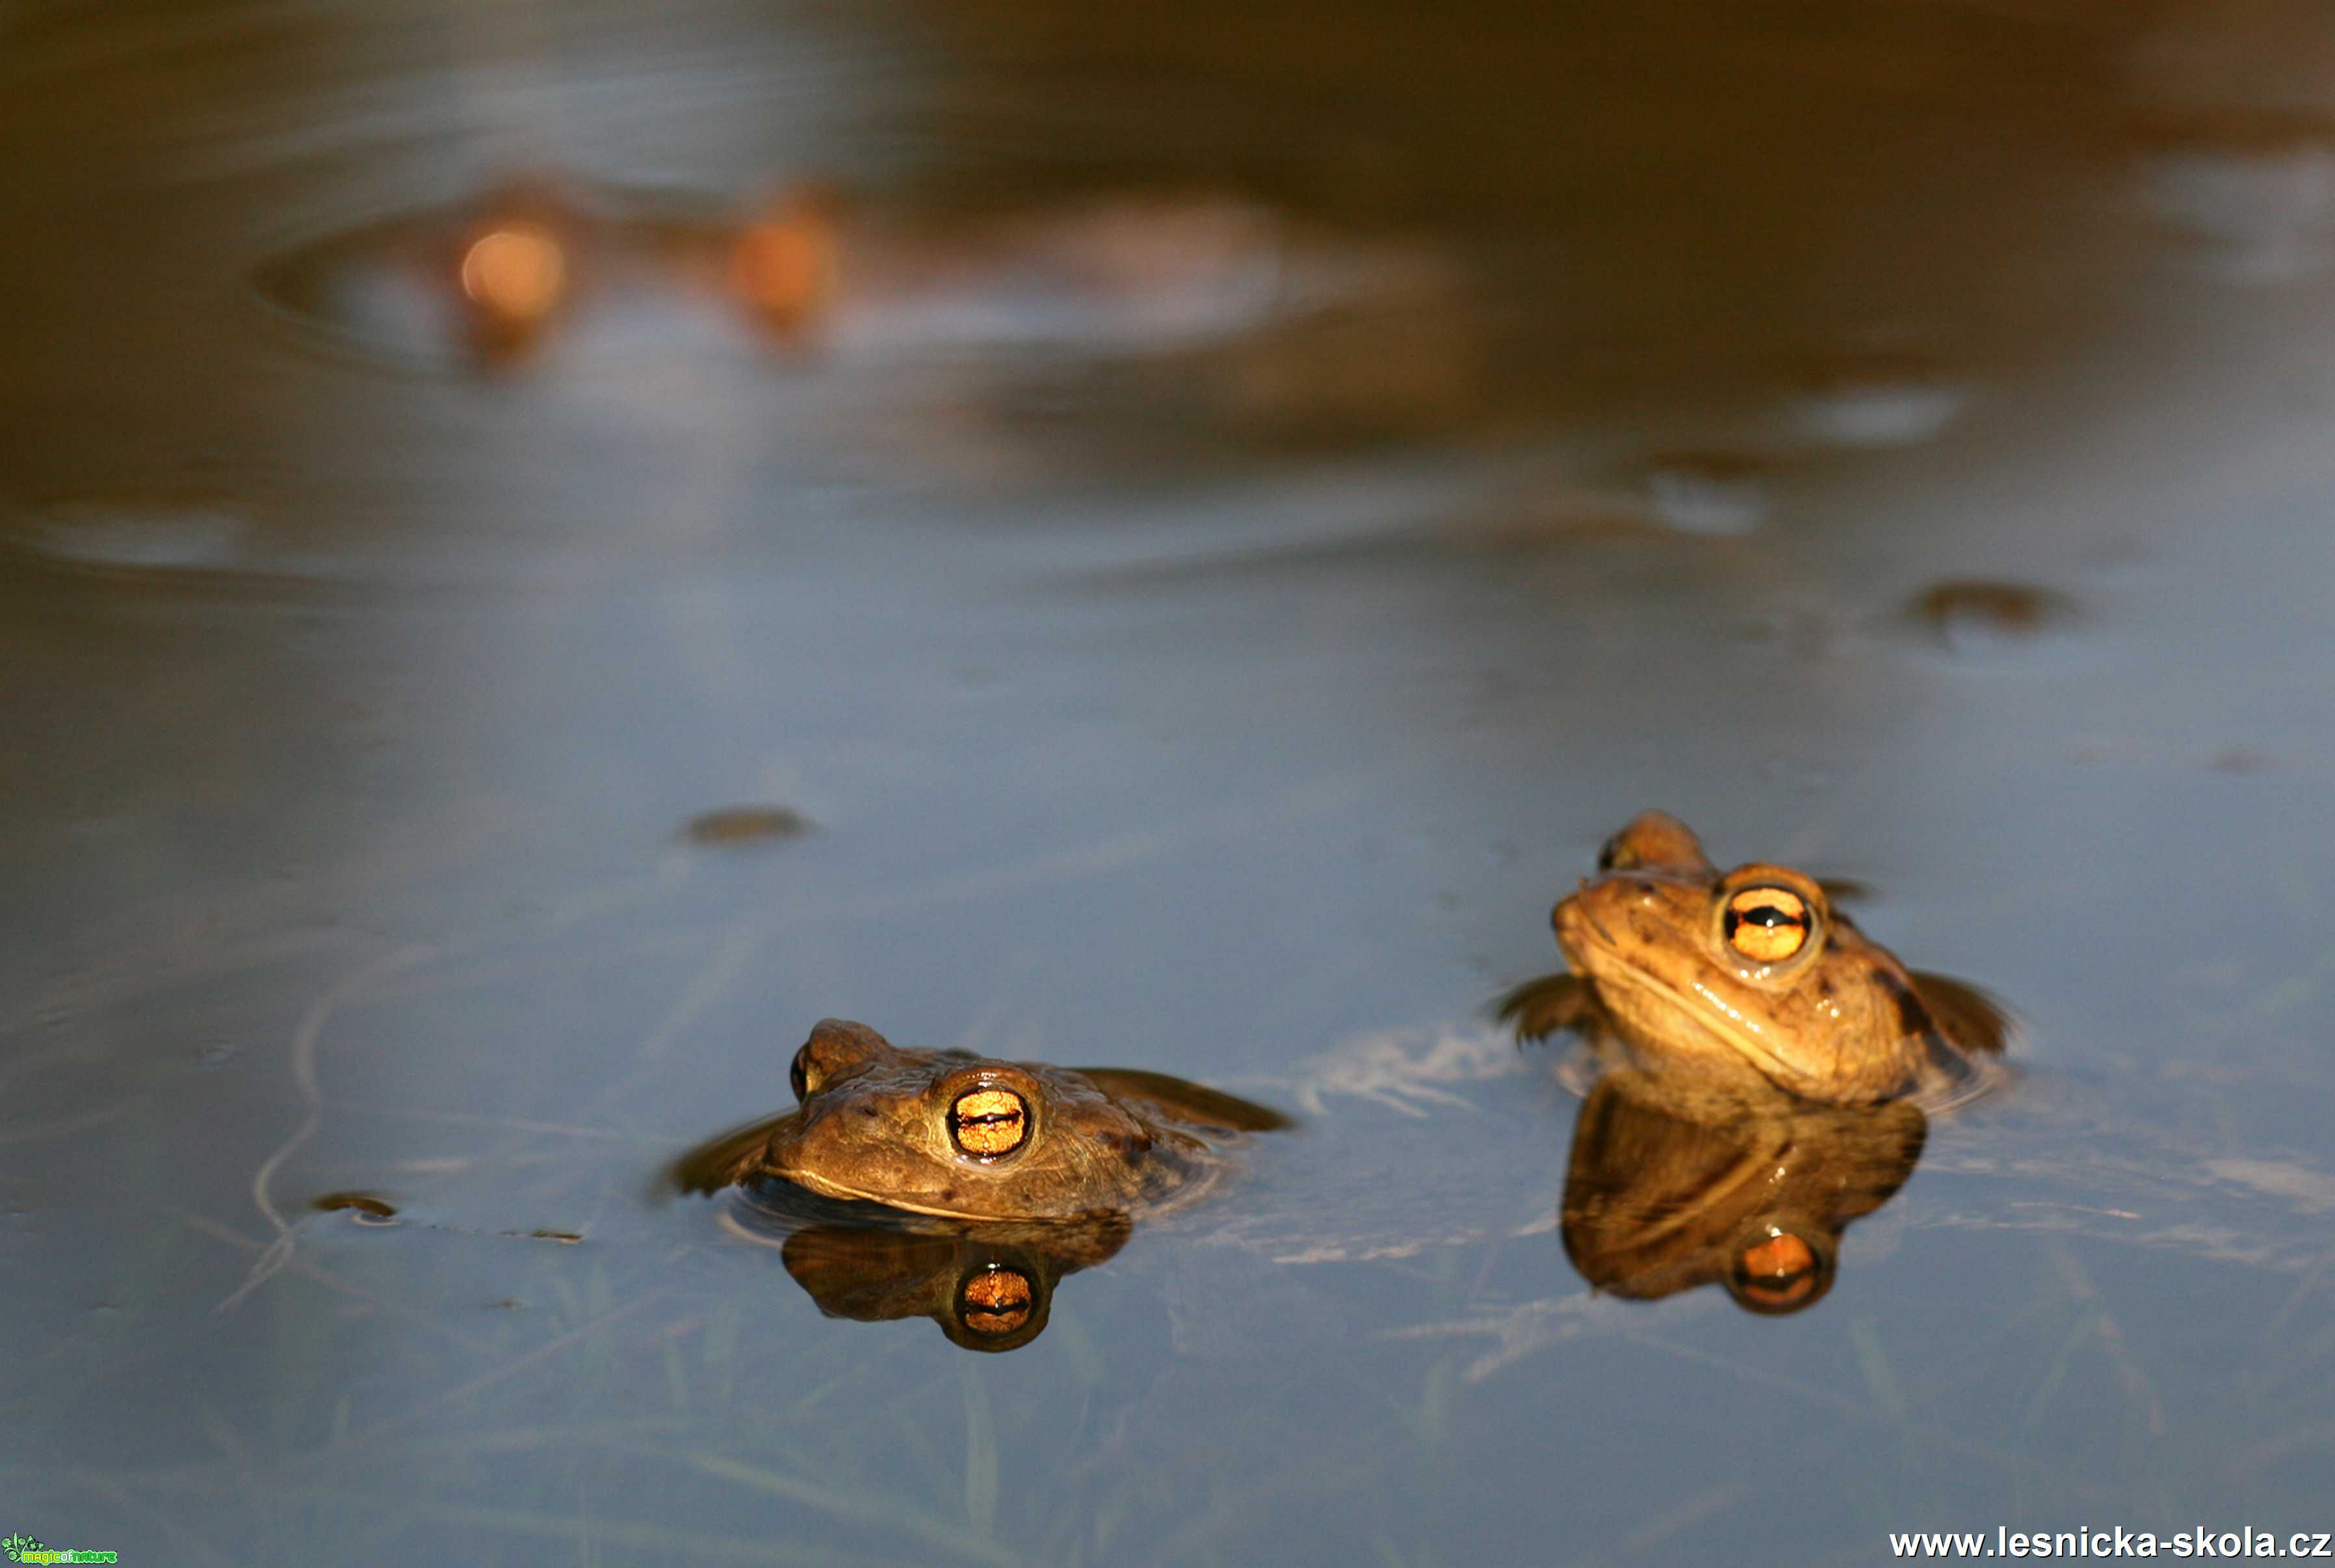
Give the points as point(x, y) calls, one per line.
point(24, 1549)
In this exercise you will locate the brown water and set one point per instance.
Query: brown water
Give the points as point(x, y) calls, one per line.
point(1174, 559)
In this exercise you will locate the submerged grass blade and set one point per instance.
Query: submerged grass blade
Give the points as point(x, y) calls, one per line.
point(1880, 1380)
point(1079, 1347)
point(2086, 1323)
point(980, 1454)
point(676, 1381)
point(591, 1534)
point(876, 1509)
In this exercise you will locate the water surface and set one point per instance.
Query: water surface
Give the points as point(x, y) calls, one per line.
point(1270, 491)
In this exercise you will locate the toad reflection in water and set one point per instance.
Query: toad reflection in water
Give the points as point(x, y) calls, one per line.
point(1667, 1191)
point(990, 1287)
point(955, 1186)
point(1764, 1067)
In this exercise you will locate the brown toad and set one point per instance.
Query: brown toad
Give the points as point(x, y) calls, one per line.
point(968, 1138)
point(1719, 973)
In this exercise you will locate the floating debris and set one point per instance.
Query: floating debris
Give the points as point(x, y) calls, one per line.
point(2241, 760)
point(364, 1208)
point(1976, 615)
point(740, 825)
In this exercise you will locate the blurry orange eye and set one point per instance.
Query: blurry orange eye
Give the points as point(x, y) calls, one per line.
point(1767, 924)
point(996, 1301)
point(785, 266)
point(989, 1123)
point(517, 271)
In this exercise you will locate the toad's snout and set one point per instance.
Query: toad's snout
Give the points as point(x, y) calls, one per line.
point(1579, 922)
point(1579, 929)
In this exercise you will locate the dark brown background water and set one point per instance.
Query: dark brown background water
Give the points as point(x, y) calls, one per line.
point(1225, 688)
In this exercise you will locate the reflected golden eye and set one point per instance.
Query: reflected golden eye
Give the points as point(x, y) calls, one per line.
point(987, 1123)
point(799, 1075)
point(1778, 1275)
point(996, 1301)
point(1768, 924)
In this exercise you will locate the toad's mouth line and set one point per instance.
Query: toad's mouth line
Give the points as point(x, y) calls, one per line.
point(827, 1187)
point(1698, 1012)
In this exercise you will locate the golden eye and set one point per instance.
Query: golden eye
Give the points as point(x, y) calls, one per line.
point(1768, 924)
point(989, 1123)
point(996, 1301)
point(1779, 1275)
point(799, 1075)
